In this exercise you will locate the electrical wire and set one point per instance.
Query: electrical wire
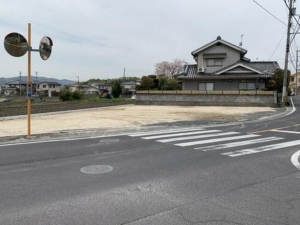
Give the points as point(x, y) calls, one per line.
point(277, 46)
point(270, 13)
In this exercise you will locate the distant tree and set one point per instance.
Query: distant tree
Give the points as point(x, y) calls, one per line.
point(172, 84)
point(147, 83)
point(169, 68)
point(277, 82)
point(66, 87)
point(131, 78)
point(65, 95)
point(77, 95)
point(162, 80)
point(116, 88)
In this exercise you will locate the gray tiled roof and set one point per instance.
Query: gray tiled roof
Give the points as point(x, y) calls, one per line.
point(53, 83)
point(263, 67)
point(270, 66)
point(190, 72)
point(16, 82)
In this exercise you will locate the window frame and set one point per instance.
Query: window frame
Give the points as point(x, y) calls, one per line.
point(246, 86)
point(205, 83)
point(214, 62)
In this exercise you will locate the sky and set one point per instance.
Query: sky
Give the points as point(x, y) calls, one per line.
point(99, 38)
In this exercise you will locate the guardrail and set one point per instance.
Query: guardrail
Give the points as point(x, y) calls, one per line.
point(206, 92)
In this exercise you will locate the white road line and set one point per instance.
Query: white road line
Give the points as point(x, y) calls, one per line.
point(295, 159)
point(216, 140)
point(236, 144)
point(140, 134)
point(262, 149)
point(196, 137)
point(181, 134)
point(286, 131)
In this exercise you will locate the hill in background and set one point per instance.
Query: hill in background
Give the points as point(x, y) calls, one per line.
point(4, 80)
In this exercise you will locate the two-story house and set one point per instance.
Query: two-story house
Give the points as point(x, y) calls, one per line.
point(17, 87)
point(221, 65)
point(128, 87)
point(295, 83)
point(49, 88)
point(102, 87)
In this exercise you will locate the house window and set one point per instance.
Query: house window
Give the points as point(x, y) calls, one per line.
point(206, 86)
point(292, 79)
point(298, 79)
point(247, 86)
point(44, 86)
point(214, 62)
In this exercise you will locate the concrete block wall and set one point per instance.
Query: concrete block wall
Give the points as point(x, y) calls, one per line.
point(206, 100)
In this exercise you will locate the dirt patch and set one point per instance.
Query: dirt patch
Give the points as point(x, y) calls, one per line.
point(122, 117)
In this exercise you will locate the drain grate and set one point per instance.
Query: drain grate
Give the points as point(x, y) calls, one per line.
point(96, 169)
point(109, 140)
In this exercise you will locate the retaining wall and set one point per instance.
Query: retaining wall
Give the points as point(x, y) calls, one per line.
point(269, 100)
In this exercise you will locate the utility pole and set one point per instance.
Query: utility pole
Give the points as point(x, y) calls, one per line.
point(284, 92)
point(123, 88)
point(296, 90)
point(36, 82)
point(20, 80)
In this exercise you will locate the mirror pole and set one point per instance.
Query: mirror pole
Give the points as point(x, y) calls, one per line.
point(29, 82)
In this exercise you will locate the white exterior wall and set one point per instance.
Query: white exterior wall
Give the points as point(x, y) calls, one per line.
point(56, 88)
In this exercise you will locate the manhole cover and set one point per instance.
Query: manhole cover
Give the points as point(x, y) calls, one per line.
point(96, 169)
point(109, 140)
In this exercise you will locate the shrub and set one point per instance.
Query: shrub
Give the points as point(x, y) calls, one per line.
point(77, 95)
point(116, 89)
point(65, 95)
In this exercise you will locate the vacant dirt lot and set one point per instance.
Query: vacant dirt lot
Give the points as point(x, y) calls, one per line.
point(20, 108)
point(130, 116)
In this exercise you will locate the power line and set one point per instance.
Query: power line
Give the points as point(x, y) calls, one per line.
point(270, 13)
point(277, 46)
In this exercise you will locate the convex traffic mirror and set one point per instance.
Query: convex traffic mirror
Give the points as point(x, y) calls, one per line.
point(45, 48)
point(15, 44)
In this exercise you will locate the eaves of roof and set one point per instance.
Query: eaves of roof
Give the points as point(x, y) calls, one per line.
point(244, 51)
point(221, 77)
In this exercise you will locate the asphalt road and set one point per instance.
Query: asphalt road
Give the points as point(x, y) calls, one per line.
point(235, 174)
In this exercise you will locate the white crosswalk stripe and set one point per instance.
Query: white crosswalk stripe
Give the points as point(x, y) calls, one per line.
point(200, 139)
point(261, 149)
point(140, 134)
point(216, 140)
point(237, 144)
point(196, 137)
point(181, 134)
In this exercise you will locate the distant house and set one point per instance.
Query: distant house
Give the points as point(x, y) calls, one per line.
point(129, 87)
point(73, 87)
point(295, 83)
point(221, 65)
point(16, 87)
point(91, 91)
point(9, 91)
point(49, 88)
point(102, 87)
